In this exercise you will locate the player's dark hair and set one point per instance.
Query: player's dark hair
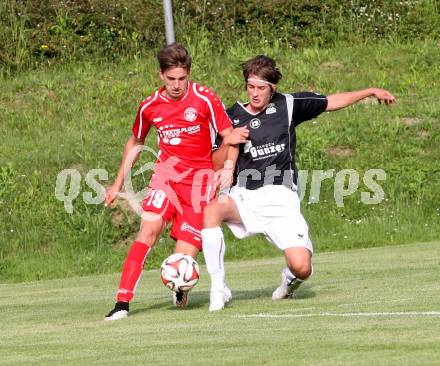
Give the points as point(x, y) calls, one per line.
point(174, 55)
point(263, 67)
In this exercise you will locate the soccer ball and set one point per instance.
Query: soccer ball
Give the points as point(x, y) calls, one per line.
point(179, 272)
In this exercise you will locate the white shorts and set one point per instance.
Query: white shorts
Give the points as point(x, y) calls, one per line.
point(273, 210)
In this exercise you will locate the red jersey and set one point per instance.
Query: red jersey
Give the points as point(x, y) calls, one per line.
point(186, 127)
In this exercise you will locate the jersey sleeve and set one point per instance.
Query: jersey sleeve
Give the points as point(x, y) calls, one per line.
point(217, 143)
point(219, 117)
point(307, 105)
point(141, 124)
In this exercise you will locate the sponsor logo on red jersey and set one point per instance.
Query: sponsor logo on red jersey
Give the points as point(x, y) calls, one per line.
point(173, 136)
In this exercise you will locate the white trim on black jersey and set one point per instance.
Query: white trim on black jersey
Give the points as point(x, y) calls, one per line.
point(290, 100)
point(244, 107)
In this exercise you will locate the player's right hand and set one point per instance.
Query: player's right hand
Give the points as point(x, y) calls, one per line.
point(238, 135)
point(110, 194)
point(384, 96)
point(223, 178)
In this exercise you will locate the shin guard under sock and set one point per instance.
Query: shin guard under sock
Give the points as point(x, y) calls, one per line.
point(214, 252)
point(132, 270)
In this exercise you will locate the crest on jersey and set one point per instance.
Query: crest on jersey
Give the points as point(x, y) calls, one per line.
point(190, 114)
point(271, 109)
point(255, 123)
point(236, 121)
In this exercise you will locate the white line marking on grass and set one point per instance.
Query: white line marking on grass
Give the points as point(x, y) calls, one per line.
point(343, 315)
point(374, 302)
point(283, 312)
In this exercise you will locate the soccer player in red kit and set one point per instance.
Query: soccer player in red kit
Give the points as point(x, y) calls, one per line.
point(187, 117)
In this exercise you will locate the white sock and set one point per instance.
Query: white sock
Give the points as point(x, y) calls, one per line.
point(291, 277)
point(214, 252)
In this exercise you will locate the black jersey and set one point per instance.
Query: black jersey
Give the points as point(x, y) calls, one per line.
point(268, 157)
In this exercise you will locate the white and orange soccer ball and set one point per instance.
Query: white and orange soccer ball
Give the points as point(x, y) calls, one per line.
point(179, 272)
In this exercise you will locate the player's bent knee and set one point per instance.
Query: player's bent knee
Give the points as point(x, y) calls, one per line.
point(303, 272)
point(186, 248)
point(299, 261)
point(212, 216)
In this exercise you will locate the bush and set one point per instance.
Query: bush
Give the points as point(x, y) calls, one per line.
point(37, 32)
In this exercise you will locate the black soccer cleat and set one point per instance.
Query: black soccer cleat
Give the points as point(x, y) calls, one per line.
point(180, 298)
point(120, 311)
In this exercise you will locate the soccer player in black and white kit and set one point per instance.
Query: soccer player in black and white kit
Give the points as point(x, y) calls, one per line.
point(263, 198)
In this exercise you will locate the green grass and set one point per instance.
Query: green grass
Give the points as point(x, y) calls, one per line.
point(376, 306)
point(78, 116)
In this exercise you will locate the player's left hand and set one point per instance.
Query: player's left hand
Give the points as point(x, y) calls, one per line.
point(384, 96)
point(238, 135)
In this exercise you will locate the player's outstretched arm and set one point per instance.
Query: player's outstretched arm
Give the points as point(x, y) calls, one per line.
point(342, 100)
point(112, 191)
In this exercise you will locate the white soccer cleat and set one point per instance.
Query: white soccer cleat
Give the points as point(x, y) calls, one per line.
point(286, 288)
point(218, 298)
point(280, 292)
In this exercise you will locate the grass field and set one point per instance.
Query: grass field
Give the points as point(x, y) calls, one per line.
point(376, 306)
point(78, 116)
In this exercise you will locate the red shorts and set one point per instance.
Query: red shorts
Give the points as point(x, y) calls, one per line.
point(183, 204)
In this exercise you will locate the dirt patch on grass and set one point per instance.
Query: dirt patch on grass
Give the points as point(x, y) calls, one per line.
point(342, 151)
point(410, 121)
point(423, 134)
point(118, 218)
point(125, 242)
point(331, 65)
point(122, 213)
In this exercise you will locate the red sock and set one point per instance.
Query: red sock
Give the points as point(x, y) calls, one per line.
point(132, 270)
